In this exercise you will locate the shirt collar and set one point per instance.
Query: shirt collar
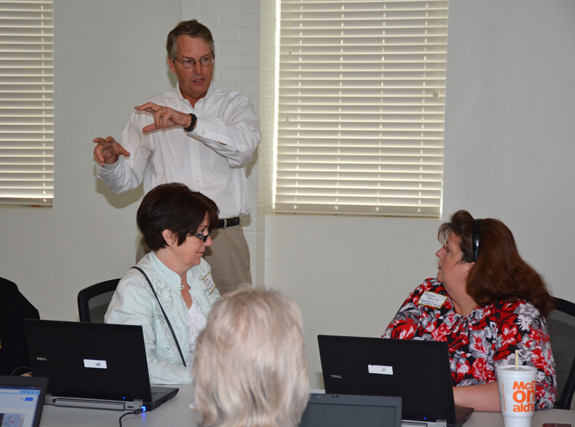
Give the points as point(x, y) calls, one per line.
point(184, 103)
point(171, 278)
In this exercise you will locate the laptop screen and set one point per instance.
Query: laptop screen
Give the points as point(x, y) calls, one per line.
point(21, 401)
point(93, 364)
point(352, 411)
point(418, 371)
point(89, 360)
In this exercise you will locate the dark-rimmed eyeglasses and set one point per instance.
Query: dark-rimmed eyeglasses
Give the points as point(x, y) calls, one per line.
point(187, 63)
point(202, 237)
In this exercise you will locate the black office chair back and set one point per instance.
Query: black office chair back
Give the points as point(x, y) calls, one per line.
point(561, 326)
point(93, 301)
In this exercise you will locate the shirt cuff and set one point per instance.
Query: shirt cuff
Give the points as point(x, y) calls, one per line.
point(111, 167)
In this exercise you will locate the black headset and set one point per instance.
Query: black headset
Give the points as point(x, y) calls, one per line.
point(475, 238)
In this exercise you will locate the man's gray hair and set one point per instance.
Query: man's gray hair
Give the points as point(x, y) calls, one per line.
point(190, 28)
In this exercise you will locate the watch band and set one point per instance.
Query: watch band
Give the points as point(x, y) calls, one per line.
point(192, 124)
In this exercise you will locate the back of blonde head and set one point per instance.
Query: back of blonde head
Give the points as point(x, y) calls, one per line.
point(250, 368)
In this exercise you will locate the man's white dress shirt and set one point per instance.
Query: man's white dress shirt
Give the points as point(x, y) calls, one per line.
point(211, 159)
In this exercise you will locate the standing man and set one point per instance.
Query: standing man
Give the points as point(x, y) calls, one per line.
point(196, 135)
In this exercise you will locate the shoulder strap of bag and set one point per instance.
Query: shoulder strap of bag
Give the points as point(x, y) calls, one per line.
point(164, 313)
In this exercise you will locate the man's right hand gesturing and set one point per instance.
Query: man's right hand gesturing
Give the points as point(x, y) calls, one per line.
point(107, 151)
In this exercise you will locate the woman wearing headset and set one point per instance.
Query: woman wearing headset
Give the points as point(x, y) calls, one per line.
point(489, 305)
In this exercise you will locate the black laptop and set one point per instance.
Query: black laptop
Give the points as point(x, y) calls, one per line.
point(330, 410)
point(417, 371)
point(22, 400)
point(93, 365)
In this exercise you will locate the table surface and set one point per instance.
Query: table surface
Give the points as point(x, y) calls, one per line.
point(176, 412)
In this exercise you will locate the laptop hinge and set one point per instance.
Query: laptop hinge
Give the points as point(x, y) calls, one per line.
point(412, 423)
point(92, 403)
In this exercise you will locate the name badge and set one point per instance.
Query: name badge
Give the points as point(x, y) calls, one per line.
point(209, 283)
point(431, 299)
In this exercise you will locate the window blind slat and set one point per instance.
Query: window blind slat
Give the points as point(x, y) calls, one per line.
point(419, 210)
point(303, 177)
point(28, 201)
point(25, 170)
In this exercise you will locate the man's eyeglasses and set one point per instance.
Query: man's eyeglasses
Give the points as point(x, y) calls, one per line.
point(201, 236)
point(187, 63)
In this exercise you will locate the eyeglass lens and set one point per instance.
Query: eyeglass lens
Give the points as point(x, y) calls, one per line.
point(206, 61)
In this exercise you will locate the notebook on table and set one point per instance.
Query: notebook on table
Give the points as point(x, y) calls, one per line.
point(417, 371)
point(93, 365)
point(22, 400)
point(328, 410)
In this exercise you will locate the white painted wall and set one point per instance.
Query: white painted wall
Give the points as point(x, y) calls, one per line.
point(508, 154)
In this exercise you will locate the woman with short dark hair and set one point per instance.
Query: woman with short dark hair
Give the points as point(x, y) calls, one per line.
point(489, 305)
point(170, 292)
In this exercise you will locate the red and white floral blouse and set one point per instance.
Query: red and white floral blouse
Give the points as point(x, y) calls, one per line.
point(484, 339)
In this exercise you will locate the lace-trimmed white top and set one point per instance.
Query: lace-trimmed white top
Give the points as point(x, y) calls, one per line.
point(197, 322)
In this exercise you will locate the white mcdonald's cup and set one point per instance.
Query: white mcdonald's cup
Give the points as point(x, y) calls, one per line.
point(517, 394)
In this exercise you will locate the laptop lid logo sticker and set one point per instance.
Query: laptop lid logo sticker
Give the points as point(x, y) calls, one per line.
point(96, 364)
point(380, 369)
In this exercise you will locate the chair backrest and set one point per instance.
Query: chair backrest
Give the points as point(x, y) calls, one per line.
point(93, 301)
point(561, 326)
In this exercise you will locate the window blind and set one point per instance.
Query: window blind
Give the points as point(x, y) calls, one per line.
point(360, 100)
point(26, 102)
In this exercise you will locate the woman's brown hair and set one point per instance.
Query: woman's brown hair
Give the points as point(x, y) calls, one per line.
point(499, 274)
